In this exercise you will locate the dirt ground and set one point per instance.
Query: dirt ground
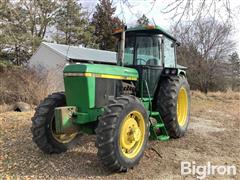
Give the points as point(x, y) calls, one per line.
point(213, 136)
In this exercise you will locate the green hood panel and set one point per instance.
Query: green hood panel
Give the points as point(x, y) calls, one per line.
point(101, 69)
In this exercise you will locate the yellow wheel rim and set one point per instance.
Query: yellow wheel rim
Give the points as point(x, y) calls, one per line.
point(64, 138)
point(182, 106)
point(132, 133)
point(61, 138)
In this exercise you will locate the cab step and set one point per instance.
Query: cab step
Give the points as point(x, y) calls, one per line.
point(158, 130)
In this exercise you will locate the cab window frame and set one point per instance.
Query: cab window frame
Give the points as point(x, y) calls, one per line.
point(159, 44)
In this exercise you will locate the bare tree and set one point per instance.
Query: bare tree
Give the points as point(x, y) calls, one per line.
point(234, 71)
point(190, 9)
point(196, 10)
point(206, 45)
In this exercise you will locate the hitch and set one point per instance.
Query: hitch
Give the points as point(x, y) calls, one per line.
point(64, 120)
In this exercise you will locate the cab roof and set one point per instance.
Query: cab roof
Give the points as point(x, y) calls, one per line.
point(149, 29)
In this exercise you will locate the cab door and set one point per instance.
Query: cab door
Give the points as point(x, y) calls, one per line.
point(148, 62)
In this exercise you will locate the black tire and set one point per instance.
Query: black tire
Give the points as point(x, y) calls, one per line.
point(42, 123)
point(108, 133)
point(165, 102)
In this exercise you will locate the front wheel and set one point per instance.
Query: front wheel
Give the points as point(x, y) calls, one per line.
point(122, 133)
point(43, 126)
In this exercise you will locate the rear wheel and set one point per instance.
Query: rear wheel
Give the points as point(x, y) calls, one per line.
point(43, 126)
point(122, 133)
point(172, 101)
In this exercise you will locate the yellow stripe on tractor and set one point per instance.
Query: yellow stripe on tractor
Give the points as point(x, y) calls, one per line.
point(106, 76)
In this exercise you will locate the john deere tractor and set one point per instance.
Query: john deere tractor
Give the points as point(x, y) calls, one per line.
point(145, 95)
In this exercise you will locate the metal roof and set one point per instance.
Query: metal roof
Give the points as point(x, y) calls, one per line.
point(82, 54)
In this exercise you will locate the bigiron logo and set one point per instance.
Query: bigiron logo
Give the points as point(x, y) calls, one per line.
point(202, 171)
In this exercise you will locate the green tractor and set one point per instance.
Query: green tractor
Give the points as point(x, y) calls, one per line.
point(144, 96)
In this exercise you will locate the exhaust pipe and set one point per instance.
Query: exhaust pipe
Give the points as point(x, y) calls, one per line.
point(122, 47)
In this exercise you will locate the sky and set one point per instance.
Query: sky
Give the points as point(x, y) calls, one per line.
point(129, 13)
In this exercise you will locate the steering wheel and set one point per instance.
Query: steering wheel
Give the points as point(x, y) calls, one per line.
point(141, 59)
point(152, 62)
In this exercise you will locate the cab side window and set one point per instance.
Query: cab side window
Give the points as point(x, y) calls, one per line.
point(169, 53)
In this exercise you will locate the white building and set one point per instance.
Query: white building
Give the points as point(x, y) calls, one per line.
point(53, 57)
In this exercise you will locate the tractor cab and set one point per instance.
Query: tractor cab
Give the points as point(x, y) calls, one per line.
point(150, 50)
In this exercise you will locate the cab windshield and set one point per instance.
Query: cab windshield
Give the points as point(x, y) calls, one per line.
point(142, 50)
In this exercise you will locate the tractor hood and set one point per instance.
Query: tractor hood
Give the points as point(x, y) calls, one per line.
point(101, 71)
point(88, 86)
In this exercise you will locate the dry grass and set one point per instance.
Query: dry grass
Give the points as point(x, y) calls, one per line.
point(198, 94)
point(228, 102)
point(19, 84)
point(228, 95)
point(27, 85)
point(5, 108)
